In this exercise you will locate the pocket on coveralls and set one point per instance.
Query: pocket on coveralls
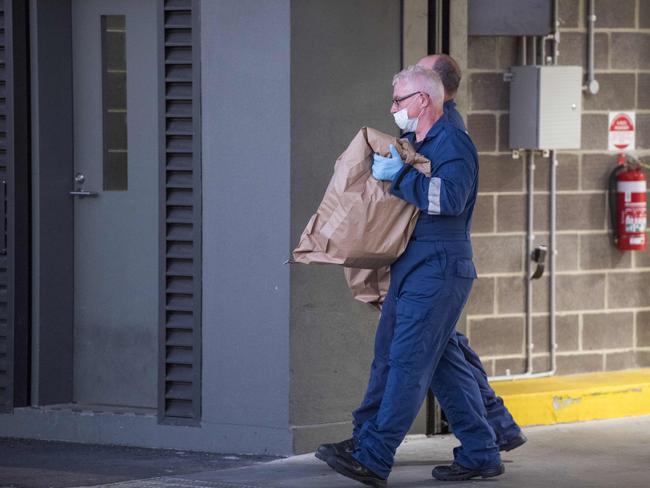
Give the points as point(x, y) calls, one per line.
point(436, 265)
point(465, 269)
point(425, 280)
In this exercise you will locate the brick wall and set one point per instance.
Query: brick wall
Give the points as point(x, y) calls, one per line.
point(603, 295)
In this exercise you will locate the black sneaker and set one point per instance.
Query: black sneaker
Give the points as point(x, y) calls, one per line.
point(346, 465)
point(456, 472)
point(513, 443)
point(326, 451)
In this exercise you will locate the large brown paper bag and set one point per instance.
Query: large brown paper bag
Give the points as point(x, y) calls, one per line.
point(368, 285)
point(359, 224)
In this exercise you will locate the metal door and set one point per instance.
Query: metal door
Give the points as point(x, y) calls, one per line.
point(116, 202)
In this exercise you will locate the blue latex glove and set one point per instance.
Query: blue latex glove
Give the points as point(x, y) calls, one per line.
point(385, 168)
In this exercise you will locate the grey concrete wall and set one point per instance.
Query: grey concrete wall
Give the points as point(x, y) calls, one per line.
point(603, 320)
point(246, 154)
point(458, 48)
point(343, 56)
point(415, 28)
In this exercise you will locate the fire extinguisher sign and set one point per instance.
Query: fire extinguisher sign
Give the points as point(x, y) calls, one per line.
point(621, 131)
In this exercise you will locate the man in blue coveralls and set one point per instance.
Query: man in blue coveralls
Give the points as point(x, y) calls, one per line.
point(416, 346)
point(509, 435)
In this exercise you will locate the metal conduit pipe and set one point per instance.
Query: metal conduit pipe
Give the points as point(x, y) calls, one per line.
point(529, 157)
point(530, 237)
point(592, 85)
point(552, 261)
point(553, 225)
point(533, 50)
point(556, 30)
point(552, 282)
point(530, 185)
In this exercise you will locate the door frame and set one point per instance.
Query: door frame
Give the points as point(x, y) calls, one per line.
point(53, 215)
point(52, 211)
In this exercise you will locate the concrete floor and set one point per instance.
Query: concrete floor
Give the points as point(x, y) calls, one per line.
point(28, 463)
point(607, 453)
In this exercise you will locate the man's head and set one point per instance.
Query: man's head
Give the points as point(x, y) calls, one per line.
point(448, 70)
point(423, 88)
point(419, 91)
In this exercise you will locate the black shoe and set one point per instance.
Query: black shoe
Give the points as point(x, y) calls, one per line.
point(346, 465)
point(513, 443)
point(456, 472)
point(326, 451)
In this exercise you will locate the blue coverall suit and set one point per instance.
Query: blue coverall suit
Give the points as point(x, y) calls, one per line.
point(498, 415)
point(416, 346)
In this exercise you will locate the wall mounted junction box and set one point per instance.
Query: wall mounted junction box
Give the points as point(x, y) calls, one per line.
point(545, 107)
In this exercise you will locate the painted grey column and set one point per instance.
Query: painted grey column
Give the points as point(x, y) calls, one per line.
point(458, 49)
point(246, 154)
point(343, 57)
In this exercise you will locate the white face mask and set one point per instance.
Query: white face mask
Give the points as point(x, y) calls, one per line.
point(403, 122)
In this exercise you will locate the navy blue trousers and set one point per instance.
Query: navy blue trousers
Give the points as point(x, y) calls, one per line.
point(417, 348)
point(498, 416)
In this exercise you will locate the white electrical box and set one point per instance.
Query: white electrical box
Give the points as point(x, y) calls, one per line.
point(545, 107)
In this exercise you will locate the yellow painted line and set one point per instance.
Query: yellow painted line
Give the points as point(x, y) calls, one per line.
point(575, 398)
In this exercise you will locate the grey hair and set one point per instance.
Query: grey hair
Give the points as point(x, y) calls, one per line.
point(424, 80)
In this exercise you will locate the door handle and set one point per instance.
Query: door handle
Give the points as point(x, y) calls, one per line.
point(80, 192)
point(83, 193)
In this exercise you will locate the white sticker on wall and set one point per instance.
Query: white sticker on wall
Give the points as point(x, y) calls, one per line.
point(621, 130)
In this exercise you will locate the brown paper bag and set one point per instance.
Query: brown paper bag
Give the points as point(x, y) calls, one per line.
point(359, 224)
point(368, 285)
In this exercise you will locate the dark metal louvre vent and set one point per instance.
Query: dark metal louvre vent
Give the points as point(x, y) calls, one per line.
point(180, 290)
point(6, 373)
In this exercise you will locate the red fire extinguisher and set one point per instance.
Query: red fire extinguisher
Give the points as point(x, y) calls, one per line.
point(628, 205)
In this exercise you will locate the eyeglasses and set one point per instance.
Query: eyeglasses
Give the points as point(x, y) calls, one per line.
point(398, 100)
